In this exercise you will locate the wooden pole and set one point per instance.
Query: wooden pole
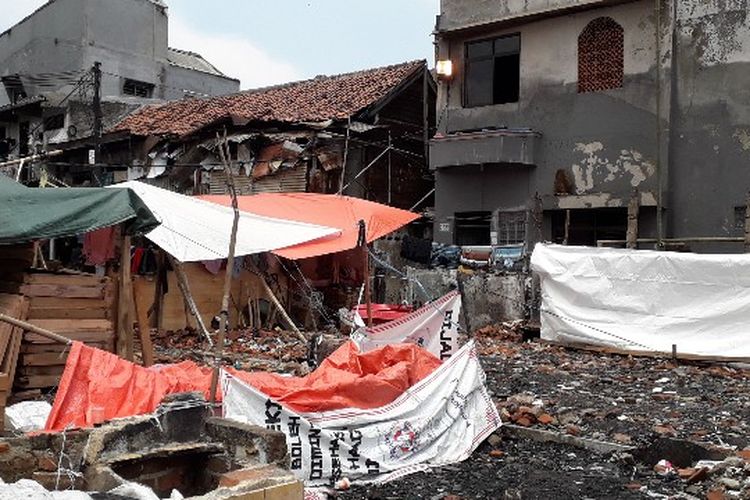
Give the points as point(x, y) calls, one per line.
point(124, 307)
point(224, 314)
point(144, 329)
point(747, 223)
point(567, 227)
point(281, 310)
point(632, 230)
point(35, 329)
point(362, 242)
point(184, 285)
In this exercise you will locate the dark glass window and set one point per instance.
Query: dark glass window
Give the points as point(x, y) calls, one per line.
point(473, 228)
point(493, 71)
point(137, 89)
point(54, 122)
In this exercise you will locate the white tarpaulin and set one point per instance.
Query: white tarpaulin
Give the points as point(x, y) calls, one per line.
point(645, 300)
point(193, 229)
point(434, 327)
point(440, 420)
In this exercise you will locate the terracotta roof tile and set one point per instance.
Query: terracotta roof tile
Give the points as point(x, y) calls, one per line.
point(318, 99)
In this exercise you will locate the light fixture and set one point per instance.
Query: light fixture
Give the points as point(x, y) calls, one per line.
point(444, 69)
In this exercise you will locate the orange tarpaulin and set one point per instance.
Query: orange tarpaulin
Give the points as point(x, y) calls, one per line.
point(97, 386)
point(348, 379)
point(343, 212)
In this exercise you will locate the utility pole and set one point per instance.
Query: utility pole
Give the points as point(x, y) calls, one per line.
point(97, 106)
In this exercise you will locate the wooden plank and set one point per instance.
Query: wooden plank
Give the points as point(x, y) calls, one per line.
point(68, 291)
point(28, 348)
point(31, 371)
point(38, 381)
point(65, 303)
point(63, 326)
point(61, 313)
point(647, 354)
point(66, 279)
point(44, 359)
point(102, 337)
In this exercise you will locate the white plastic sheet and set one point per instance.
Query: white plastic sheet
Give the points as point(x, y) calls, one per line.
point(438, 421)
point(28, 416)
point(643, 300)
point(193, 229)
point(434, 327)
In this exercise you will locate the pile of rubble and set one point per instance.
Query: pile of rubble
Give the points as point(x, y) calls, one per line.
point(589, 424)
point(274, 351)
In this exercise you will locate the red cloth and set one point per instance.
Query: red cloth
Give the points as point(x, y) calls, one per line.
point(99, 246)
point(97, 385)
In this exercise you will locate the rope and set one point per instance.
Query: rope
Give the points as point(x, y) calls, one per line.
point(72, 474)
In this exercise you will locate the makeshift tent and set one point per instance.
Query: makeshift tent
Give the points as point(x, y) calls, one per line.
point(192, 229)
point(640, 300)
point(342, 212)
point(437, 421)
point(28, 214)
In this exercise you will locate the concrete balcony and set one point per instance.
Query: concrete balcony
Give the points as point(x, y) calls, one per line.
point(514, 146)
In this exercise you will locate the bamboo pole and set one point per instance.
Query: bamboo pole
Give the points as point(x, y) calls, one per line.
point(184, 285)
point(35, 329)
point(224, 314)
point(281, 310)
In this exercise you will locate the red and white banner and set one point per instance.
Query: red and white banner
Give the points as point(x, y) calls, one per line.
point(438, 421)
point(434, 327)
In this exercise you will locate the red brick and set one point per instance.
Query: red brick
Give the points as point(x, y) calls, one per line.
point(573, 430)
point(715, 494)
point(236, 477)
point(546, 419)
point(497, 453)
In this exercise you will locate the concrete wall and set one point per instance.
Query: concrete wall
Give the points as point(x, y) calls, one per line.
point(606, 141)
point(486, 298)
point(129, 38)
point(457, 14)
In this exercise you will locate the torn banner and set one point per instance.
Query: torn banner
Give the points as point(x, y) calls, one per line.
point(440, 420)
point(434, 327)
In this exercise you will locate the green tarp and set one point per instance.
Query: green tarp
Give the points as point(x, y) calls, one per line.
point(28, 214)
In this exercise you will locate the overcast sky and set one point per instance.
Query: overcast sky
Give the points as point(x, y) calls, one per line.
point(263, 42)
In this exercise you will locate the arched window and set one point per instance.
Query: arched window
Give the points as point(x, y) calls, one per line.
point(600, 56)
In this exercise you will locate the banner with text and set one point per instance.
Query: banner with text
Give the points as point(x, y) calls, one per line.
point(434, 327)
point(438, 421)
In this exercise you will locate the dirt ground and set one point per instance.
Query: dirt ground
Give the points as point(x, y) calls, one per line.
point(642, 409)
point(680, 412)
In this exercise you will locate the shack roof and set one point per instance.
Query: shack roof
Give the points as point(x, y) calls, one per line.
point(316, 100)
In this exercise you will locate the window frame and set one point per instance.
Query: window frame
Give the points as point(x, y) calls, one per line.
point(138, 84)
point(492, 57)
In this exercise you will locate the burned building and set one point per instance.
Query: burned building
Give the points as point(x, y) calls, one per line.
point(556, 116)
point(362, 134)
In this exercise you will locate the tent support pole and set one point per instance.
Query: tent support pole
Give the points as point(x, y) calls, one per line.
point(124, 317)
point(144, 330)
point(224, 315)
point(362, 242)
point(281, 310)
point(184, 285)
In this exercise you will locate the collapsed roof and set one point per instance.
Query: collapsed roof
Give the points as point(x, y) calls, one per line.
point(317, 100)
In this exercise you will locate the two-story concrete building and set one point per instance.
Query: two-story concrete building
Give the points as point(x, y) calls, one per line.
point(556, 115)
point(46, 63)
